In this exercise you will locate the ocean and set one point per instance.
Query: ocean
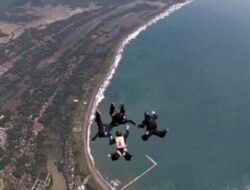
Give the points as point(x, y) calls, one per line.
point(193, 69)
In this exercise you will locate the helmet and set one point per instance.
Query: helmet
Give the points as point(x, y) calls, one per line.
point(153, 112)
point(118, 133)
point(146, 114)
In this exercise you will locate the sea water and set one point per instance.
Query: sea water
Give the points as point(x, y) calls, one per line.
point(193, 69)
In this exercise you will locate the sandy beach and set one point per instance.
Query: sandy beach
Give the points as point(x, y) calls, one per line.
point(100, 89)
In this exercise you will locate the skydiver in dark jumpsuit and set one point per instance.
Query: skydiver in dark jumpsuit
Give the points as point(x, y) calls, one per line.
point(103, 129)
point(151, 126)
point(119, 118)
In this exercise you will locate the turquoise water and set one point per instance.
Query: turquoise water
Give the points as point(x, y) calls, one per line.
point(193, 68)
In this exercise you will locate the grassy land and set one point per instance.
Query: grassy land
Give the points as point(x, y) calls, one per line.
point(109, 24)
point(82, 169)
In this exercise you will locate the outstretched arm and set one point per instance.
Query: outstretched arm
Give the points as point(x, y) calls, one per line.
point(98, 117)
point(131, 121)
point(111, 140)
point(127, 132)
point(142, 125)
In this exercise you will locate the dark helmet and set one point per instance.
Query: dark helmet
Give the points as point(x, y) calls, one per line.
point(118, 133)
point(146, 114)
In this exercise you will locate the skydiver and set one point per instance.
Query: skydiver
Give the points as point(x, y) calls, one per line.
point(119, 118)
point(121, 146)
point(151, 126)
point(103, 129)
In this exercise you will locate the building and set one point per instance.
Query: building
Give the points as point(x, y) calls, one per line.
point(42, 182)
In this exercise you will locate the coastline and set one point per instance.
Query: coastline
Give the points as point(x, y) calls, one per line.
point(100, 89)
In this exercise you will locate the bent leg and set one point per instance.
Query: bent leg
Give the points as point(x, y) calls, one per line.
point(127, 156)
point(114, 156)
point(122, 109)
point(115, 119)
point(146, 135)
point(98, 119)
point(97, 116)
point(112, 110)
point(160, 133)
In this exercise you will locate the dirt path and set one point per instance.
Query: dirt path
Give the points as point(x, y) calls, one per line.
point(1, 184)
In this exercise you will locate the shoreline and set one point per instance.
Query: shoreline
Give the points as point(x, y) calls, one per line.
point(100, 89)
